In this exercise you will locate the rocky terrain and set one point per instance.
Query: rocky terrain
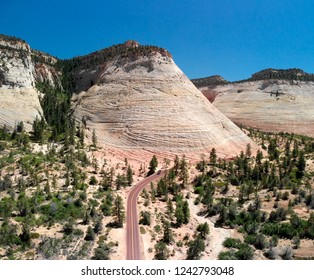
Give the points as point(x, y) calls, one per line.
point(271, 100)
point(135, 98)
point(146, 102)
point(64, 183)
point(20, 69)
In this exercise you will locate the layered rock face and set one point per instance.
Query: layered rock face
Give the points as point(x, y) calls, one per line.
point(277, 105)
point(18, 97)
point(147, 103)
point(19, 72)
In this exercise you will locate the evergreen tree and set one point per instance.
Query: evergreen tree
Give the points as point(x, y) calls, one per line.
point(20, 127)
point(94, 139)
point(168, 233)
point(102, 252)
point(152, 165)
point(129, 175)
point(38, 129)
point(213, 160)
point(301, 165)
point(203, 230)
point(179, 214)
point(196, 247)
point(161, 251)
point(170, 209)
point(25, 236)
point(176, 166)
point(90, 234)
point(68, 227)
point(184, 174)
point(248, 151)
point(145, 218)
point(186, 212)
point(118, 211)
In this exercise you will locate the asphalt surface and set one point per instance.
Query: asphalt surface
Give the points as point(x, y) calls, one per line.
point(133, 242)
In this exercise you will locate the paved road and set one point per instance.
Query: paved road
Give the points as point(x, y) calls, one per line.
point(133, 243)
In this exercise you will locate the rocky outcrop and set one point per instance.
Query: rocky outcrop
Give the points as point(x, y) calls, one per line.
point(134, 96)
point(272, 100)
point(45, 69)
point(18, 98)
point(145, 102)
point(20, 69)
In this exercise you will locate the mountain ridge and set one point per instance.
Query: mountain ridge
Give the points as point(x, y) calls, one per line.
point(135, 98)
point(290, 74)
point(271, 100)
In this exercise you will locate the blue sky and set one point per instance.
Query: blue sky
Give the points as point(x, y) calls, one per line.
point(232, 38)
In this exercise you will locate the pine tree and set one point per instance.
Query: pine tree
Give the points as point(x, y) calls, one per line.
point(248, 151)
point(118, 211)
point(203, 230)
point(152, 165)
point(94, 139)
point(213, 159)
point(90, 234)
point(184, 174)
point(301, 165)
point(38, 129)
point(161, 251)
point(168, 234)
point(82, 137)
point(170, 209)
point(186, 212)
point(145, 218)
point(129, 175)
point(196, 247)
point(102, 252)
point(176, 165)
point(179, 214)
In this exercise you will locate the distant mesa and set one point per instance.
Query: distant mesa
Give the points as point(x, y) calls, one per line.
point(276, 100)
point(209, 81)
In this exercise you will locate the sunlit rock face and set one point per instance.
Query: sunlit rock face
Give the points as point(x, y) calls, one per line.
point(277, 105)
point(146, 102)
point(18, 98)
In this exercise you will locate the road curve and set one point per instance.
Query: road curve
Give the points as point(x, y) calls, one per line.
point(133, 244)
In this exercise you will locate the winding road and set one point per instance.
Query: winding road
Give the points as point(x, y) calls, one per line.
point(133, 242)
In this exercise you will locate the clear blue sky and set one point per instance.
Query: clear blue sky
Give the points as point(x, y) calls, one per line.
point(232, 38)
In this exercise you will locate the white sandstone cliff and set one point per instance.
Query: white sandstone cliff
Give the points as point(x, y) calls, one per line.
point(270, 105)
point(149, 104)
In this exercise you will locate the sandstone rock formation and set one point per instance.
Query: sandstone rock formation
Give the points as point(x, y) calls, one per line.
point(18, 97)
point(19, 72)
point(268, 101)
point(135, 97)
point(145, 102)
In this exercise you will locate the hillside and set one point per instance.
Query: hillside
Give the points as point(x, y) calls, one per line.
point(66, 200)
point(134, 97)
point(94, 126)
point(271, 100)
point(143, 103)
